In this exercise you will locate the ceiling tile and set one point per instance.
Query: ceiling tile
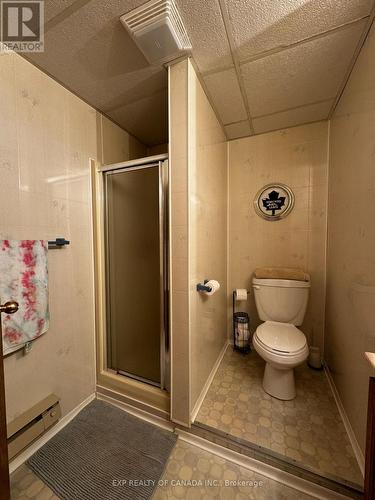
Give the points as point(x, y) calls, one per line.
point(54, 7)
point(308, 73)
point(236, 130)
point(225, 92)
point(262, 25)
point(65, 8)
point(207, 34)
point(292, 117)
point(93, 35)
point(146, 119)
point(126, 88)
point(89, 51)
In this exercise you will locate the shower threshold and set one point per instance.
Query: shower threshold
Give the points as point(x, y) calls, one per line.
point(139, 379)
point(272, 458)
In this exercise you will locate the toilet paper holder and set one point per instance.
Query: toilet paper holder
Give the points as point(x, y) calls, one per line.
point(203, 287)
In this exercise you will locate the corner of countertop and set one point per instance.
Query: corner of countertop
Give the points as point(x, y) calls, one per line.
point(370, 356)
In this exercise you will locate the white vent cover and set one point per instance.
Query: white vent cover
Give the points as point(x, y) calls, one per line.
point(157, 29)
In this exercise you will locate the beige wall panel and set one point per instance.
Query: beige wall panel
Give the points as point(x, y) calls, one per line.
point(180, 342)
point(118, 145)
point(350, 317)
point(298, 158)
point(207, 234)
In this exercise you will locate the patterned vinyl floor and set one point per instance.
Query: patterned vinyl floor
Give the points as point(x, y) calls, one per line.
point(307, 429)
point(213, 477)
point(191, 474)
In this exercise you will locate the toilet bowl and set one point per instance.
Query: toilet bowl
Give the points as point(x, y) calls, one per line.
point(283, 347)
point(281, 304)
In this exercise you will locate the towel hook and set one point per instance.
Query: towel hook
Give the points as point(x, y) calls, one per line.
point(58, 243)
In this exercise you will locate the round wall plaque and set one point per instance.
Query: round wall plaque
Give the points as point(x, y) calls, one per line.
point(274, 201)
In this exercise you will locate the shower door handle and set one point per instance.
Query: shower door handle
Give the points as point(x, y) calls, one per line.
point(9, 307)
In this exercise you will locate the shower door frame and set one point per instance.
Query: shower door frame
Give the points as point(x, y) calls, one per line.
point(134, 390)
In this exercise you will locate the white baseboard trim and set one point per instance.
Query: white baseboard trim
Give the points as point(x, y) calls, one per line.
point(352, 438)
point(137, 412)
point(262, 468)
point(206, 386)
point(30, 450)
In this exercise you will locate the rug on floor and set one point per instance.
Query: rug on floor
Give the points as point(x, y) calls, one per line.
point(104, 453)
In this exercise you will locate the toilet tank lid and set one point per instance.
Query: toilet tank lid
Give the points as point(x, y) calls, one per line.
point(281, 283)
point(281, 273)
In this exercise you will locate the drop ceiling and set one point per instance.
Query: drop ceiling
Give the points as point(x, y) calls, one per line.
point(88, 50)
point(271, 64)
point(265, 64)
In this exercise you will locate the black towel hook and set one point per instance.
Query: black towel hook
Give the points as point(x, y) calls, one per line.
point(58, 243)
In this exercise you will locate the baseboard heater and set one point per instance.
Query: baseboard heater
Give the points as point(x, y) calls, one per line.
point(23, 430)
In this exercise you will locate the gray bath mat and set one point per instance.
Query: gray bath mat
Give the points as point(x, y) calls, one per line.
point(104, 454)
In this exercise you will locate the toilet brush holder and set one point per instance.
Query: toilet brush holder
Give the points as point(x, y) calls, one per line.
point(315, 360)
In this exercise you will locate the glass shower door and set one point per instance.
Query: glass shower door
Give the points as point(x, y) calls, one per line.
point(135, 220)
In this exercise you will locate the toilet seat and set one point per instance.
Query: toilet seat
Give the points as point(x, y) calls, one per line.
point(283, 347)
point(283, 339)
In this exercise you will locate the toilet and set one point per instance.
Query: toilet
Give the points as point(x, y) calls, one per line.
point(281, 304)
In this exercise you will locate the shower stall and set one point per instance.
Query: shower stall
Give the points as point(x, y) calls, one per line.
point(135, 263)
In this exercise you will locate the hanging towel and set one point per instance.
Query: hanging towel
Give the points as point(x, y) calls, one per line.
point(24, 278)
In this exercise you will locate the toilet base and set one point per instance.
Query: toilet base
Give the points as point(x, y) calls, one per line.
point(279, 383)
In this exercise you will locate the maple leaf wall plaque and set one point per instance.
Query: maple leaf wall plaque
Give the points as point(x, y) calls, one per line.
point(274, 201)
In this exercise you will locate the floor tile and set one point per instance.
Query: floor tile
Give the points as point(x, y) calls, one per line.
point(308, 429)
point(191, 473)
point(26, 485)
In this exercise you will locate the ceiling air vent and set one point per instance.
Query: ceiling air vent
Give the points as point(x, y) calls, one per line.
point(157, 29)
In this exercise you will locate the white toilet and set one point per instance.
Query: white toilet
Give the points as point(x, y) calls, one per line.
point(281, 304)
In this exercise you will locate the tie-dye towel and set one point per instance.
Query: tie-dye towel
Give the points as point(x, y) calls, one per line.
point(24, 278)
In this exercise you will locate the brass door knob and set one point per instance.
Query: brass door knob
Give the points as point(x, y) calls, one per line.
point(9, 307)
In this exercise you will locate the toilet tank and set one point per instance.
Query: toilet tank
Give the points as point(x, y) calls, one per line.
point(281, 300)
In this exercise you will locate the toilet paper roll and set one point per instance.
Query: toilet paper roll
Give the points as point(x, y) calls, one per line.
point(214, 285)
point(241, 294)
